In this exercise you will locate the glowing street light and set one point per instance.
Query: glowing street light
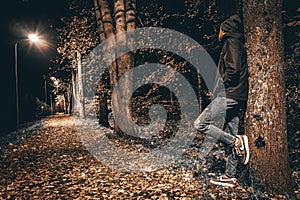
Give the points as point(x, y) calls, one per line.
point(34, 38)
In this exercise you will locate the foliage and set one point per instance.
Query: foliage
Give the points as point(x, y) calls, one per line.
point(77, 32)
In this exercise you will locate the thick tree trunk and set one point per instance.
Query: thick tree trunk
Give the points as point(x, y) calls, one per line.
point(124, 63)
point(108, 28)
point(266, 117)
point(124, 13)
point(103, 85)
point(119, 12)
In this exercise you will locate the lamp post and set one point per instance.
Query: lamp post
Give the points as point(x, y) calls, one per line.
point(33, 38)
point(45, 88)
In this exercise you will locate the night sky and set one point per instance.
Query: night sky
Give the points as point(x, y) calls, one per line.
point(18, 18)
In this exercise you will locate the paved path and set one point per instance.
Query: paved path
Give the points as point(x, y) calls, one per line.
point(48, 161)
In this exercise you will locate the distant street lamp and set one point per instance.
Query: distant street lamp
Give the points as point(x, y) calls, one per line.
point(34, 38)
point(45, 87)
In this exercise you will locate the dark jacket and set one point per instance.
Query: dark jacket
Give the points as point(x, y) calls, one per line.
point(232, 63)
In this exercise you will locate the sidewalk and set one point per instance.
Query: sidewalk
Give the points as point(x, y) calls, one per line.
point(53, 164)
point(48, 161)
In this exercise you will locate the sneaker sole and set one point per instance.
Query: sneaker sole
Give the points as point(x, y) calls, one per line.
point(246, 145)
point(221, 183)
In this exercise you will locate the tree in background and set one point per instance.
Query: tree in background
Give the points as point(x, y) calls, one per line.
point(113, 19)
point(77, 36)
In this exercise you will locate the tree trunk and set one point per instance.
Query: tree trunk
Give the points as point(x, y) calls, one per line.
point(107, 22)
point(199, 91)
point(130, 17)
point(130, 7)
point(124, 63)
point(266, 117)
point(118, 102)
point(124, 13)
point(103, 85)
point(64, 104)
point(100, 28)
point(102, 91)
point(80, 87)
point(74, 91)
point(69, 99)
point(108, 28)
point(51, 104)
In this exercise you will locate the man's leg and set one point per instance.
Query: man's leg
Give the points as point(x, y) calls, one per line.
point(212, 119)
point(224, 110)
point(232, 159)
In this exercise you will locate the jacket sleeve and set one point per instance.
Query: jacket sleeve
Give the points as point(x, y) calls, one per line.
point(232, 62)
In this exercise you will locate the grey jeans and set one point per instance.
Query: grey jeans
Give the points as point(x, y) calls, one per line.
point(220, 119)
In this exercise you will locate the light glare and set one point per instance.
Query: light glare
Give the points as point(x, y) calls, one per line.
point(33, 37)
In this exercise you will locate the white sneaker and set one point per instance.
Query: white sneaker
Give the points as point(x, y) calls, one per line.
point(224, 181)
point(242, 148)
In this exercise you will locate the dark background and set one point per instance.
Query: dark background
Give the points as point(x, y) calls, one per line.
point(18, 18)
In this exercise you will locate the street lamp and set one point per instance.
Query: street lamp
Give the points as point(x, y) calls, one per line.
point(45, 87)
point(34, 38)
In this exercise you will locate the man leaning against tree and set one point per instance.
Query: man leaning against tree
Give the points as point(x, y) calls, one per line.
point(220, 119)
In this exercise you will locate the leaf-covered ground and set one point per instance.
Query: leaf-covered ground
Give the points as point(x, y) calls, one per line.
point(48, 161)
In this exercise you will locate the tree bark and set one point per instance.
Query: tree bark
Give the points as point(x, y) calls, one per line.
point(266, 113)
